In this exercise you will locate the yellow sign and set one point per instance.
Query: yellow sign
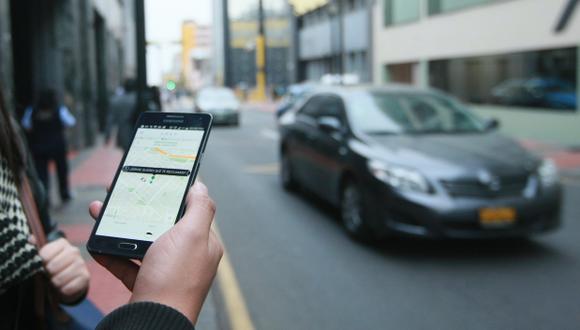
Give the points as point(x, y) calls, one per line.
point(304, 6)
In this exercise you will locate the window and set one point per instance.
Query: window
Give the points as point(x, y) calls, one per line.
point(401, 11)
point(537, 79)
point(312, 107)
point(331, 106)
point(443, 6)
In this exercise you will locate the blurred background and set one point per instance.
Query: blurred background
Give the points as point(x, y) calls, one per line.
point(489, 154)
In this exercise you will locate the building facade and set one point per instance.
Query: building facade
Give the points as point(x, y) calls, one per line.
point(334, 38)
point(236, 28)
point(82, 49)
point(505, 57)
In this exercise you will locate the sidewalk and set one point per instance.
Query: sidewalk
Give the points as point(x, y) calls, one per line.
point(92, 171)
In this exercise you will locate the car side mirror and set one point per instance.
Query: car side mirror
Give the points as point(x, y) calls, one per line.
point(492, 124)
point(329, 124)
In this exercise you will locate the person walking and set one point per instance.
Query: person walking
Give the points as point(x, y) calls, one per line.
point(45, 124)
point(122, 114)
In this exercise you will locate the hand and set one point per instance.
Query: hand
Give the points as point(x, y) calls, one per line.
point(66, 269)
point(179, 267)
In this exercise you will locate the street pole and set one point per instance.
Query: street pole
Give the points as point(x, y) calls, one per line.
point(340, 40)
point(261, 56)
point(227, 46)
point(141, 56)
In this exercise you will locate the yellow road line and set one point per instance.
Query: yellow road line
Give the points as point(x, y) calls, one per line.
point(238, 315)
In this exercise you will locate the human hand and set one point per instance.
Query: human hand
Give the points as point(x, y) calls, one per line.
point(66, 269)
point(179, 267)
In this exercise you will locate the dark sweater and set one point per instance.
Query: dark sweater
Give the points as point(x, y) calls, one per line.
point(145, 315)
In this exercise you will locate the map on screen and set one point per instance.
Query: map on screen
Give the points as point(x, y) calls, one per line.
point(147, 196)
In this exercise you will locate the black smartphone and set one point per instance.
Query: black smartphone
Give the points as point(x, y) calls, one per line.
point(148, 194)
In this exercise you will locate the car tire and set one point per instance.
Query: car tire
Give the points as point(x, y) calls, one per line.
point(352, 212)
point(287, 174)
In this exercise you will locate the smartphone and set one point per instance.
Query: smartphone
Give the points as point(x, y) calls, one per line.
point(148, 194)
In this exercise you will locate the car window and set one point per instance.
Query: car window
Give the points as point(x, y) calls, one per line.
point(332, 106)
point(394, 113)
point(312, 107)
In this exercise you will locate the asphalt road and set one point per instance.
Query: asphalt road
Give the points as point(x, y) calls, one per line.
point(298, 270)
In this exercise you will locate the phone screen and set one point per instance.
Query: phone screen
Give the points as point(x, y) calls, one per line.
point(147, 196)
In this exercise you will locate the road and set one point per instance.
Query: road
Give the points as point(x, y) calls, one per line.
point(298, 270)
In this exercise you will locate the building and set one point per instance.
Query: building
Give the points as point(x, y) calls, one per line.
point(196, 55)
point(83, 49)
point(505, 57)
point(334, 37)
point(236, 24)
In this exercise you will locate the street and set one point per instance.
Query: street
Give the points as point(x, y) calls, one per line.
point(298, 270)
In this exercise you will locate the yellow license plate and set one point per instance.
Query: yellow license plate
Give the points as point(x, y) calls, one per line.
point(497, 216)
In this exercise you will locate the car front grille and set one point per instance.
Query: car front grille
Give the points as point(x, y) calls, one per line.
point(504, 187)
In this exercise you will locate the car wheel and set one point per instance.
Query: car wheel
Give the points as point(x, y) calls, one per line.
point(287, 174)
point(352, 212)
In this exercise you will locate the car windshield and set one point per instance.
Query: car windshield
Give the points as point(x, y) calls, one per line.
point(409, 113)
point(217, 95)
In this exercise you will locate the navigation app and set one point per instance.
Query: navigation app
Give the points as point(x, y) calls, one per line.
point(148, 193)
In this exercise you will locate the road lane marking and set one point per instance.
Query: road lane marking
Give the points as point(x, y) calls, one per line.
point(266, 169)
point(238, 315)
point(270, 134)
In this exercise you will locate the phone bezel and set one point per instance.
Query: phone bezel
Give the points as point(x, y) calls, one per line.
point(108, 245)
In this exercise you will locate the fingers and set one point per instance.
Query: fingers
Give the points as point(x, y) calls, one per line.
point(52, 249)
point(200, 210)
point(123, 269)
point(73, 271)
point(95, 209)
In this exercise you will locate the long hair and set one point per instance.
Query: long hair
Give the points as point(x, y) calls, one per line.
point(10, 149)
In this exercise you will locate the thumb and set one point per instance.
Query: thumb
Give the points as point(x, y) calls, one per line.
point(95, 209)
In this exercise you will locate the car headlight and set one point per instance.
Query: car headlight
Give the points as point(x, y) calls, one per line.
point(548, 172)
point(400, 178)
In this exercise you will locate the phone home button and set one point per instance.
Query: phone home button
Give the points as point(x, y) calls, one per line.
point(128, 246)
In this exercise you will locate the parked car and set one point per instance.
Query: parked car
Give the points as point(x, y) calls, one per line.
point(402, 160)
point(221, 102)
point(536, 92)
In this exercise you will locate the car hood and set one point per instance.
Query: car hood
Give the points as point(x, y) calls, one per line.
point(457, 155)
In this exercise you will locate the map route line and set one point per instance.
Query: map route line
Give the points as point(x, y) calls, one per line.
point(170, 155)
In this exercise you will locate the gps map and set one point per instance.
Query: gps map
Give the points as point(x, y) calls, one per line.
point(147, 196)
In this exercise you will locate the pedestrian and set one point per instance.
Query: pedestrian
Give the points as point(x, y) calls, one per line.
point(45, 124)
point(122, 113)
point(168, 288)
point(34, 277)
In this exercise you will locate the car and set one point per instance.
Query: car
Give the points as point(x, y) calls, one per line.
point(399, 160)
point(221, 102)
point(536, 92)
point(295, 94)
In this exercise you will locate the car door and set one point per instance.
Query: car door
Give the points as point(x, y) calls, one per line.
point(328, 147)
point(304, 129)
